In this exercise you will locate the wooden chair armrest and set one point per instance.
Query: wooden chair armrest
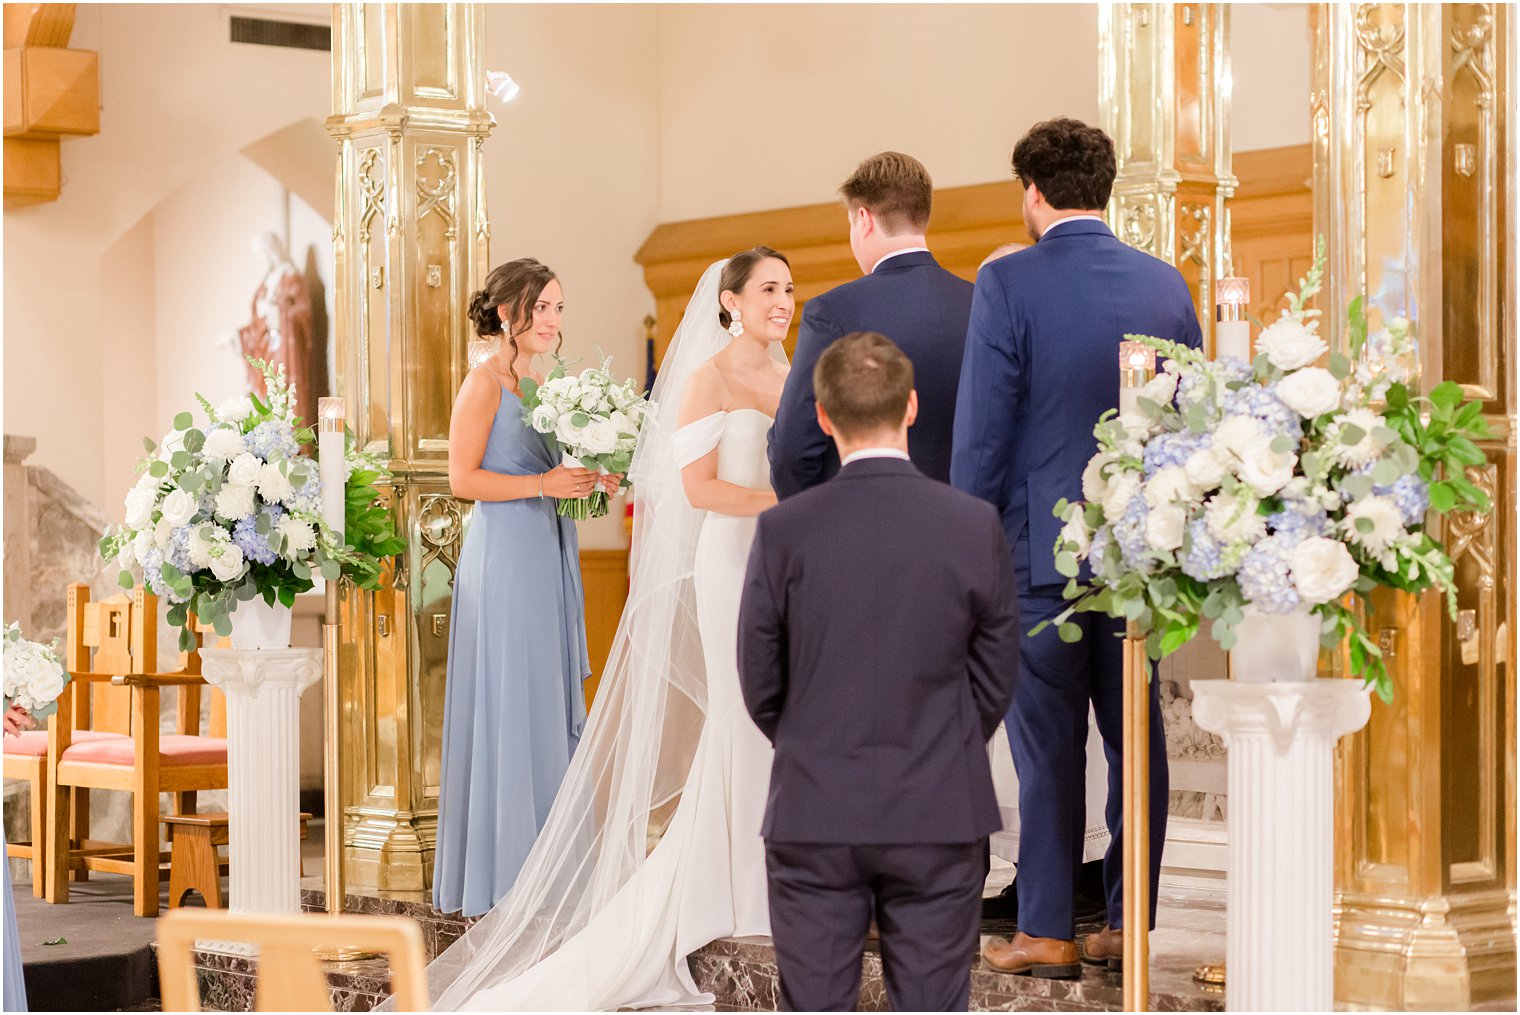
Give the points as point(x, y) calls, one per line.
point(157, 679)
point(83, 677)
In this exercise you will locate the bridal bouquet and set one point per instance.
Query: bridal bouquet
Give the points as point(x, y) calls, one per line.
point(1277, 486)
point(594, 420)
point(231, 510)
point(34, 674)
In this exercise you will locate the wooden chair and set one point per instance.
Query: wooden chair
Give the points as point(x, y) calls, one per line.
point(290, 976)
point(112, 654)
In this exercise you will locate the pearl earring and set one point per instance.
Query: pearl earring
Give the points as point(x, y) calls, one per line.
point(737, 327)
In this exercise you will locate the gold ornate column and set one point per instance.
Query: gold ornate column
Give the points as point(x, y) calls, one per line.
point(1163, 96)
point(1414, 190)
point(410, 244)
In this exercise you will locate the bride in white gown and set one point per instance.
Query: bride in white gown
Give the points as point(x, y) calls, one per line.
point(597, 919)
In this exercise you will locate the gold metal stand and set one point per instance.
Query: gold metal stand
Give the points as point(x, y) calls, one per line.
point(1137, 824)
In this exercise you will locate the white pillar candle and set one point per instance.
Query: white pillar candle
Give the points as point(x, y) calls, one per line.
point(330, 466)
point(1232, 332)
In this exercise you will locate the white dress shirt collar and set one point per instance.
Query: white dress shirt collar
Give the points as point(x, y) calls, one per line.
point(904, 250)
point(1070, 218)
point(856, 456)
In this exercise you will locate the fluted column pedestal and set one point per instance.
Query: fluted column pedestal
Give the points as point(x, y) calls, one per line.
point(1281, 741)
point(263, 690)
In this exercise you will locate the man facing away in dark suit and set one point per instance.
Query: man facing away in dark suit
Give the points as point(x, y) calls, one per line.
point(878, 641)
point(1041, 365)
point(904, 295)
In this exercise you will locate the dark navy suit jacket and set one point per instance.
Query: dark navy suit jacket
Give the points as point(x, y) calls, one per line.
point(878, 642)
point(1042, 364)
point(923, 309)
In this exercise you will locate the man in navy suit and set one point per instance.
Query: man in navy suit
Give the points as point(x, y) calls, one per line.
point(904, 295)
point(1041, 365)
point(878, 641)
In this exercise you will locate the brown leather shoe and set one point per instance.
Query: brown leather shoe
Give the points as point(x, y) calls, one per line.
point(1034, 956)
point(1105, 948)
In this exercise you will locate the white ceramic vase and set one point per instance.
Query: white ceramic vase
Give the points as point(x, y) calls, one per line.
point(1275, 647)
point(255, 625)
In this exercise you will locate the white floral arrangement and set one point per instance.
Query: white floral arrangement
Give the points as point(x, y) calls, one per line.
point(34, 674)
point(1278, 485)
point(594, 420)
point(231, 510)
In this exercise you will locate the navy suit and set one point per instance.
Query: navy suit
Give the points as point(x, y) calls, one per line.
point(923, 309)
point(1041, 365)
point(878, 642)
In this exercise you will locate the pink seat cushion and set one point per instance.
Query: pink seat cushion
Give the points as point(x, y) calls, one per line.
point(34, 743)
point(174, 749)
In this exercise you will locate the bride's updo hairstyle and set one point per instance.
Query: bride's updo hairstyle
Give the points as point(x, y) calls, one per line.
point(515, 285)
point(736, 275)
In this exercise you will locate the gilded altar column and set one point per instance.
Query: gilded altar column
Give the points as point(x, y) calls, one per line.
point(410, 242)
point(1414, 189)
point(1163, 96)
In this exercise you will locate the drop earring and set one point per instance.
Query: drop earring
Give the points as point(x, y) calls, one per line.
point(736, 328)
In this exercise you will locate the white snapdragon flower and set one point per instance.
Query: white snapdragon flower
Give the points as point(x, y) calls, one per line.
point(235, 501)
point(244, 470)
point(1168, 486)
point(1206, 469)
point(1322, 569)
point(1164, 527)
point(223, 444)
point(235, 410)
point(1361, 451)
point(1310, 392)
point(274, 484)
point(1289, 345)
point(1387, 523)
point(1264, 470)
point(1121, 488)
point(1232, 518)
point(178, 508)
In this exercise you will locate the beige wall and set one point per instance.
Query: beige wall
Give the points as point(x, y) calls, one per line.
point(1272, 67)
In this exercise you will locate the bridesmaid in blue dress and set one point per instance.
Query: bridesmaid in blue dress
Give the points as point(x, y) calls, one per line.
point(16, 720)
point(514, 706)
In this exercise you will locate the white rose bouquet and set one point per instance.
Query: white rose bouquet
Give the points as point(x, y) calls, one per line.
point(34, 674)
point(1278, 484)
point(232, 509)
point(594, 421)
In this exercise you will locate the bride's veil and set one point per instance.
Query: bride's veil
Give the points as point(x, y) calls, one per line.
point(641, 735)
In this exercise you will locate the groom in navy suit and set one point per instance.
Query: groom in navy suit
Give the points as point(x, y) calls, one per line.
point(878, 641)
point(1041, 365)
point(904, 295)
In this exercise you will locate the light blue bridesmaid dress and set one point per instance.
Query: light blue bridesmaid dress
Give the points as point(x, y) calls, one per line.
point(514, 706)
point(15, 984)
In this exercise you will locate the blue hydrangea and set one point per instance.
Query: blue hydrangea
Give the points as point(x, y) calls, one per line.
point(253, 543)
point(271, 439)
point(1264, 405)
point(178, 553)
point(1297, 521)
point(152, 565)
point(1411, 494)
point(1097, 552)
point(1172, 449)
point(1265, 578)
point(1193, 387)
point(1203, 558)
point(1129, 533)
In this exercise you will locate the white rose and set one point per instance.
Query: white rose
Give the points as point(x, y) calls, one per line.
point(300, 537)
point(178, 508)
point(228, 564)
point(234, 410)
point(1094, 485)
point(274, 485)
point(1160, 389)
point(126, 557)
point(1363, 450)
point(1169, 485)
point(244, 470)
point(1076, 533)
point(235, 501)
point(1264, 470)
point(1206, 469)
point(1121, 489)
point(173, 441)
point(544, 419)
point(143, 542)
point(1137, 425)
point(1164, 527)
point(223, 444)
point(1289, 345)
point(600, 437)
point(567, 432)
point(1322, 569)
point(1232, 518)
point(140, 502)
point(1310, 392)
point(621, 423)
point(1386, 520)
point(1236, 434)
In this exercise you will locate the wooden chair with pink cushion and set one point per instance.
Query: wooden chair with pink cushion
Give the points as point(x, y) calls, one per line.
point(111, 652)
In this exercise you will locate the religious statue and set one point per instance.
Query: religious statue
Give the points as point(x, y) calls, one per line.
point(281, 329)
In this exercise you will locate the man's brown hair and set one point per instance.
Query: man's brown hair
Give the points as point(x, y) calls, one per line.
point(895, 187)
point(863, 382)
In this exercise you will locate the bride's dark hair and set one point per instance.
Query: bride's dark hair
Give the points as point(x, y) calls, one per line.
point(737, 271)
point(516, 285)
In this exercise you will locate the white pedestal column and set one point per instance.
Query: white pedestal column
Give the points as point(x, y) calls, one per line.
point(263, 689)
point(1280, 738)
